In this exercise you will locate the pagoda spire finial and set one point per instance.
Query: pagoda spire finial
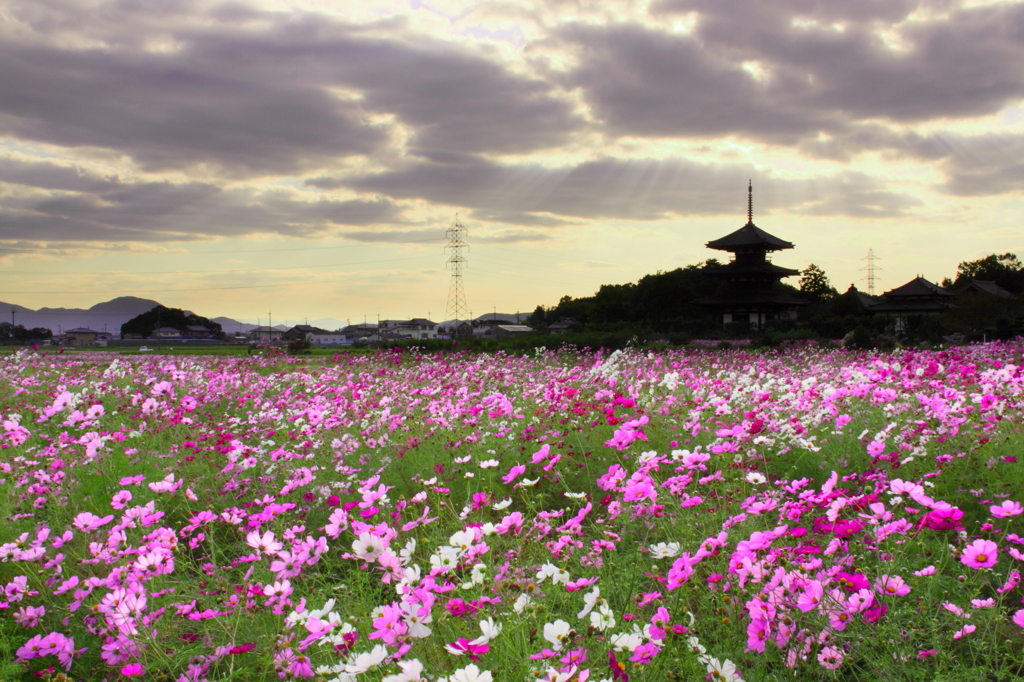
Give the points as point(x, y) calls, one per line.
point(750, 201)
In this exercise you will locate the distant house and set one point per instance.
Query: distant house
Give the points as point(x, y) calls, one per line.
point(981, 288)
point(360, 332)
point(264, 333)
point(81, 336)
point(302, 331)
point(165, 333)
point(324, 338)
point(502, 331)
point(197, 331)
point(916, 297)
point(416, 328)
point(562, 325)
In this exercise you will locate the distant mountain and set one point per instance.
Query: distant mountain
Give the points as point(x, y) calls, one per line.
point(107, 316)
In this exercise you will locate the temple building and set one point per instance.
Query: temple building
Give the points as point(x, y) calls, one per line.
point(752, 292)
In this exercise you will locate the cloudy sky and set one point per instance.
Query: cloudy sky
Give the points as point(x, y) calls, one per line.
point(305, 157)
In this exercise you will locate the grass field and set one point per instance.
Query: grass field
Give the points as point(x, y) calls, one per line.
point(556, 515)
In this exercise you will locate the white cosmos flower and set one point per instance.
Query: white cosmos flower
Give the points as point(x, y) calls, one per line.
point(666, 550)
point(490, 630)
point(504, 504)
point(488, 464)
point(557, 575)
point(522, 602)
point(462, 540)
point(368, 546)
point(476, 577)
point(724, 671)
point(470, 673)
point(557, 633)
point(756, 478)
point(626, 641)
point(360, 663)
point(590, 600)
point(603, 619)
point(412, 671)
point(575, 496)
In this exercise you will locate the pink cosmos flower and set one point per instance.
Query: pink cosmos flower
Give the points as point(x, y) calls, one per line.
point(87, 522)
point(892, 584)
point(133, 669)
point(942, 519)
point(464, 646)
point(965, 630)
point(927, 570)
point(514, 473)
point(121, 499)
point(757, 633)
point(1018, 618)
point(1007, 508)
point(830, 658)
point(980, 554)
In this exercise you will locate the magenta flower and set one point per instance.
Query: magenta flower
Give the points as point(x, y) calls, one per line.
point(464, 646)
point(1018, 618)
point(133, 669)
point(980, 554)
point(942, 519)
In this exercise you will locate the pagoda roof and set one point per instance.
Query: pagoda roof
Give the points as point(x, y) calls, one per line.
point(918, 287)
point(863, 300)
point(750, 235)
point(735, 268)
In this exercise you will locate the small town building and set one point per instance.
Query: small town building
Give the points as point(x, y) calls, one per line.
point(324, 338)
point(264, 333)
point(302, 331)
point(360, 332)
point(752, 293)
point(165, 333)
point(503, 331)
point(197, 331)
point(562, 325)
point(80, 336)
point(416, 328)
point(916, 297)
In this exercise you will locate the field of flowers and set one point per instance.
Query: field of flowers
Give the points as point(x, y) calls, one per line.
point(564, 515)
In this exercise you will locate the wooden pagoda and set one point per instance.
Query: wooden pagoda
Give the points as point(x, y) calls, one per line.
point(752, 292)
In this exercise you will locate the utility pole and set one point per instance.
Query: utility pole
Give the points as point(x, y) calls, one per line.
point(270, 327)
point(456, 293)
point(12, 319)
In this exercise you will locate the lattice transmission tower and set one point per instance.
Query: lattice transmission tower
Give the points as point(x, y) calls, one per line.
point(871, 269)
point(457, 308)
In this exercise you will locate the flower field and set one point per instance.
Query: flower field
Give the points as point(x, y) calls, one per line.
point(564, 515)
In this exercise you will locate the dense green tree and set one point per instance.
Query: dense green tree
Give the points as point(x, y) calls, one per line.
point(1006, 270)
point(161, 316)
point(17, 334)
point(814, 285)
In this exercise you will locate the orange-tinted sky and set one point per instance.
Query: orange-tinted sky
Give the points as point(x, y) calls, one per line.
point(306, 158)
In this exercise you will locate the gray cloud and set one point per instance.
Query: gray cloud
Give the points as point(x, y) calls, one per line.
point(642, 81)
point(110, 210)
point(265, 101)
point(619, 189)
